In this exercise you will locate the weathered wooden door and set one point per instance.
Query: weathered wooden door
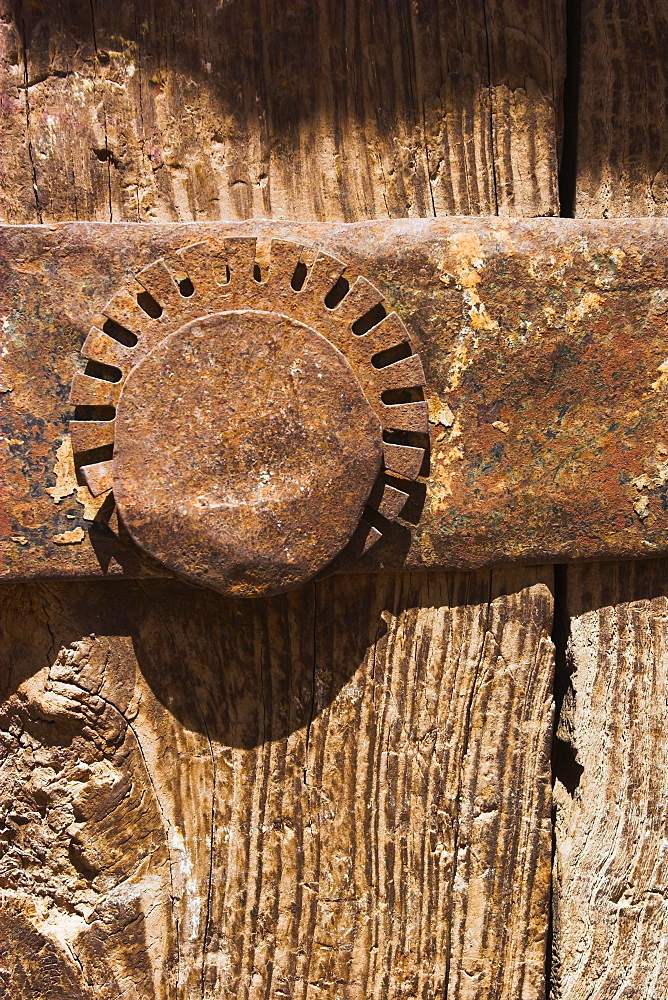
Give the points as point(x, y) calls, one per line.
point(346, 790)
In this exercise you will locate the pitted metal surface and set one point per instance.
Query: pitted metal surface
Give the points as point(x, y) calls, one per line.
point(245, 442)
point(245, 452)
point(545, 352)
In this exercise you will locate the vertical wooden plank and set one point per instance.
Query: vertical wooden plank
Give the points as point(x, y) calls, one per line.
point(152, 744)
point(437, 884)
point(340, 792)
point(622, 138)
point(190, 813)
point(18, 201)
point(610, 865)
point(492, 77)
point(89, 886)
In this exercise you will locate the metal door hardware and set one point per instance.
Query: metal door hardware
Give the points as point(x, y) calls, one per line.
point(249, 417)
point(250, 405)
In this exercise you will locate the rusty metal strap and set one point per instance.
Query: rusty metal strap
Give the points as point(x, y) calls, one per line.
point(544, 347)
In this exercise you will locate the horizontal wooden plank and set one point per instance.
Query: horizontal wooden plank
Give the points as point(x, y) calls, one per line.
point(544, 345)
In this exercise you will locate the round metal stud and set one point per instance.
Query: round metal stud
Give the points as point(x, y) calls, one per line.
point(245, 452)
point(251, 423)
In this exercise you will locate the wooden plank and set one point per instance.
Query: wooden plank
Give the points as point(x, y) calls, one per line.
point(290, 797)
point(18, 201)
point(144, 112)
point(447, 897)
point(191, 715)
point(622, 150)
point(610, 867)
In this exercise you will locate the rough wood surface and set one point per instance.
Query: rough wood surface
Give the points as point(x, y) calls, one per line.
point(146, 111)
point(340, 792)
point(622, 149)
point(611, 869)
point(343, 792)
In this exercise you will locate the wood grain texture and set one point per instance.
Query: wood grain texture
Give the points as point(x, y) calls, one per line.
point(622, 154)
point(611, 870)
point(343, 792)
point(611, 867)
point(340, 792)
point(157, 111)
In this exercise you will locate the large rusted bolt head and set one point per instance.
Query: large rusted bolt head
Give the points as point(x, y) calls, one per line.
point(245, 451)
point(250, 420)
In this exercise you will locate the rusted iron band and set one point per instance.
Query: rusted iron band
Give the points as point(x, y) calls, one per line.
point(545, 350)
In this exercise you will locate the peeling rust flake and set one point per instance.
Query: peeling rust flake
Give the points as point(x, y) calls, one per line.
point(245, 405)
